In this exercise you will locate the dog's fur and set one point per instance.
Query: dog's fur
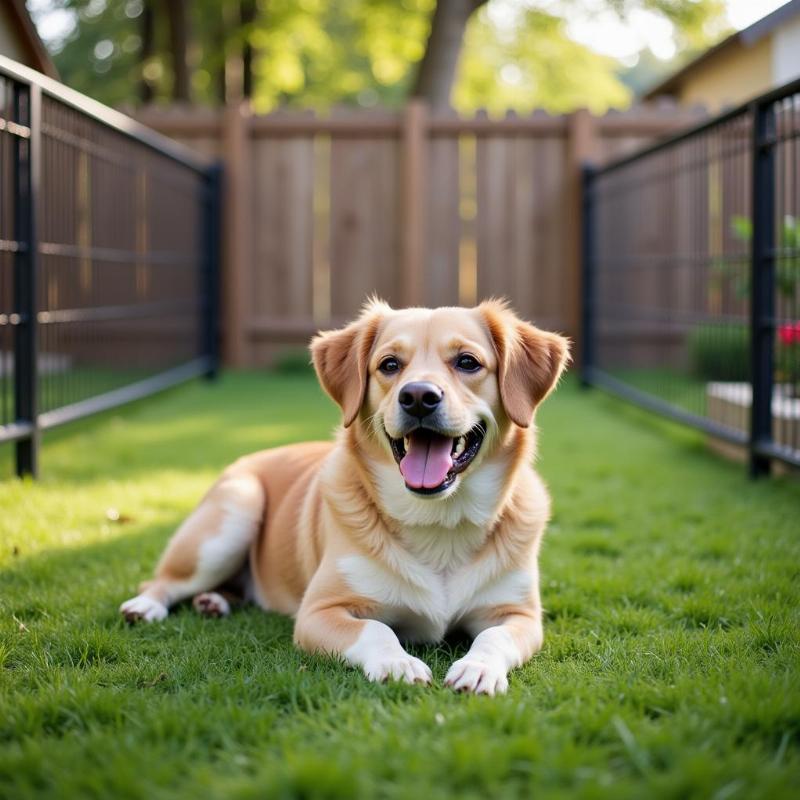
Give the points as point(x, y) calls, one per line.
point(331, 534)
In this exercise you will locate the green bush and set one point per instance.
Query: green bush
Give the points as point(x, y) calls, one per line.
point(720, 352)
point(293, 361)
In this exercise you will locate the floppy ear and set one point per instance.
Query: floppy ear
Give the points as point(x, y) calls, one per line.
point(340, 359)
point(530, 361)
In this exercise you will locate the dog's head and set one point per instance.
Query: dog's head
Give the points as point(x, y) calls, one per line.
point(437, 389)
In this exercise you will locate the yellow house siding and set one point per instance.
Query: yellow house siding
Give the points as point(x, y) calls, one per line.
point(731, 77)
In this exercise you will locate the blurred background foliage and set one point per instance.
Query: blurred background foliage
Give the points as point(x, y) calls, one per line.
point(514, 54)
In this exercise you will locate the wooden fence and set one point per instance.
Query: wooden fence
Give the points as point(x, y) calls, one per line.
point(420, 209)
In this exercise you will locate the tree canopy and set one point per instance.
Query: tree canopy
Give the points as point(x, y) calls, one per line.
point(316, 53)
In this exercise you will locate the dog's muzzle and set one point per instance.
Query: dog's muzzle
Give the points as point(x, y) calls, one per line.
point(429, 461)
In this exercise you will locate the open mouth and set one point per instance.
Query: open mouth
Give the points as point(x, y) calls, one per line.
point(429, 461)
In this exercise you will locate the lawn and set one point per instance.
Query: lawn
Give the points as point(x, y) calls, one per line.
point(670, 665)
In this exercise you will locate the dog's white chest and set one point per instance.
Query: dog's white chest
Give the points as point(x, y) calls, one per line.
point(422, 602)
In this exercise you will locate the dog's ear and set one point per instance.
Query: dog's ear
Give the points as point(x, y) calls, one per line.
point(341, 358)
point(529, 360)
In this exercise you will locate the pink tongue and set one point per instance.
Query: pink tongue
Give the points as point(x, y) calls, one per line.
point(427, 461)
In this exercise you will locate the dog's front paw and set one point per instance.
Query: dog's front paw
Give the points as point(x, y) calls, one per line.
point(401, 667)
point(473, 675)
point(143, 609)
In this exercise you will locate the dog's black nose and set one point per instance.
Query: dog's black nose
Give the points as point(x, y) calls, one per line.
point(420, 398)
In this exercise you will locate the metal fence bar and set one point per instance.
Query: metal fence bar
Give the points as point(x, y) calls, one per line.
point(587, 287)
point(691, 274)
point(769, 97)
point(115, 260)
point(25, 76)
point(762, 277)
point(211, 230)
point(27, 107)
point(127, 394)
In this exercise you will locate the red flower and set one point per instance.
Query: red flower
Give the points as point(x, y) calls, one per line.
point(789, 333)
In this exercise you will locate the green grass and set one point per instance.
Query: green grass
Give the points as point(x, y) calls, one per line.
point(670, 666)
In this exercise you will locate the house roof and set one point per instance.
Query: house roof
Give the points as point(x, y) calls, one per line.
point(747, 37)
point(29, 38)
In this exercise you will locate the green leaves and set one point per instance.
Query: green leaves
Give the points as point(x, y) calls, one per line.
point(319, 53)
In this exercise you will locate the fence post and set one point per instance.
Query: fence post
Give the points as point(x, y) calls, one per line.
point(28, 109)
point(580, 149)
point(212, 208)
point(413, 201)
point(237, 233)
point(588, 278)
point(762, 282)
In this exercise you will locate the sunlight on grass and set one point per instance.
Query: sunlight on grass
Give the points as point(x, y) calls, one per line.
point(670, 667)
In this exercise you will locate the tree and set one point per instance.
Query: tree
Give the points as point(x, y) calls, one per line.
point(696, 23)
point(437, 70)
point(534, 64)
point(319, 53)
point(178, 45)
point(247, 18)
point(148, 34)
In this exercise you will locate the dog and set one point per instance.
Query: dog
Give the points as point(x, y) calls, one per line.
point(424, 515)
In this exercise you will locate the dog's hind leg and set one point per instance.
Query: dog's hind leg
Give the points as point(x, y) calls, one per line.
point(208, 549)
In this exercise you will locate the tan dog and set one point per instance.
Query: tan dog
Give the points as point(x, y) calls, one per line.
point(425, 515)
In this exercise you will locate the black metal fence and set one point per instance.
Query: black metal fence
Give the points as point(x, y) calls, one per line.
point(692, 278)
point(108, 260)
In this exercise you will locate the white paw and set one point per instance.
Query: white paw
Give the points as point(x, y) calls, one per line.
point(143, 609)
point(482, 677)
point(402, 667)
point(211, 604)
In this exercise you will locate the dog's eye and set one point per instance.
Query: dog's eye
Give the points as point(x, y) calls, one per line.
point(467, 363)
point(389, 365)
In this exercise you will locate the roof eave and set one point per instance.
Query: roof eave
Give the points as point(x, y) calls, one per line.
point(41, 58)
point(746, 37)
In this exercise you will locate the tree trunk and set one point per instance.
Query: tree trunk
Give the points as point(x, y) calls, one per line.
point(437, 70)
point(146, 92)
point(178, 45)
point(220, 43)
point(247, 15)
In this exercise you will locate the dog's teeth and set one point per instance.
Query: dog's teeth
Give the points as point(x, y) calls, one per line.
point(406, 443)
point(461, 444)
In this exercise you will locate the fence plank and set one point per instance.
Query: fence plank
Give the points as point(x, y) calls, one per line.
point(391, 213)
point(443, 232)
point(364, 230)
point(528, 275)
point(284, 224)
point(581, 148)
point(238, 235)
point(549, 255)
point(414, 201)
point(492, 156)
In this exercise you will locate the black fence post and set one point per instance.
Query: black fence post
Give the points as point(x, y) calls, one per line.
point(588, 277)
point(762, 282)
point(27, 108)
point(212, 243)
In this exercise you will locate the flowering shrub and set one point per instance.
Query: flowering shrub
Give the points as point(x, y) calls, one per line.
point(790, 333)
point(721, 350)
point(787, 276)
point(788, 356)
